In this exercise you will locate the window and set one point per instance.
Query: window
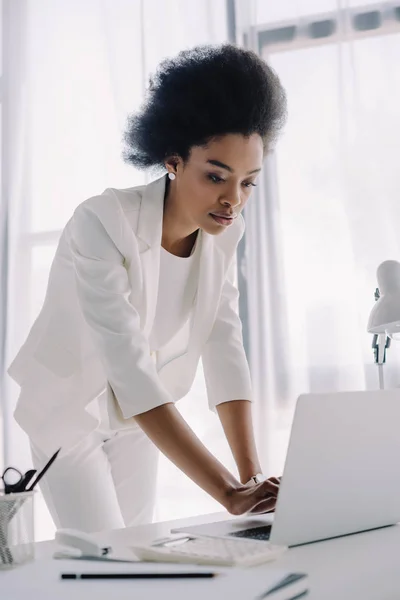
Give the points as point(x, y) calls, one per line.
point(85, 68)
point(334, 184)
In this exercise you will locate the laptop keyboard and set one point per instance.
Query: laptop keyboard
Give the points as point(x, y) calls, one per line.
point(255, 533)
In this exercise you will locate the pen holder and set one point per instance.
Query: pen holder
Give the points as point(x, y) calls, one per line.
point(16, 529)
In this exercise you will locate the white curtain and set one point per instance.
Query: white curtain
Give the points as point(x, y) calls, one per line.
point(327, 211)
point(75, 69)
point(325, 215)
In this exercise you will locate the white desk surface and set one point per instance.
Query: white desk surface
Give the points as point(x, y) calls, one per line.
point(362, 566)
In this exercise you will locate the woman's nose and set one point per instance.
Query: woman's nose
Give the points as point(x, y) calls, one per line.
point(232, 200)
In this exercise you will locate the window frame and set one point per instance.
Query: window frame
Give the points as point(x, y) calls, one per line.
point(258, 38)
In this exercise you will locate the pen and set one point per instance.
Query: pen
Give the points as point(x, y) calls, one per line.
point(43, 472)
point(181, 575)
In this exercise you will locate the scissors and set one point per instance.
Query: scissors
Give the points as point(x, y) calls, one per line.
point(23, 480)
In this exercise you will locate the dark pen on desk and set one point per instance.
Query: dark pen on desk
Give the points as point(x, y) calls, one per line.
point(180, 575)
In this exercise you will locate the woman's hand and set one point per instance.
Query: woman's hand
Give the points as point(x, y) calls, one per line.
point(253, 498)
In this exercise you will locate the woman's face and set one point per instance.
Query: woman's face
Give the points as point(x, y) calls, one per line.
point(213, 186)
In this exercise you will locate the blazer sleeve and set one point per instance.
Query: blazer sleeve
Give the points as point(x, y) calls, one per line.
point(103, 290)
point(225, 364)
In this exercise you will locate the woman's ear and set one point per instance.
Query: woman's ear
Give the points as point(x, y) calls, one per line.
point(172, 163)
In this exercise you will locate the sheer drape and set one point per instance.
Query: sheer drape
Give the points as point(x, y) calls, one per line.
point(75, 70)
point(327, 210)
point(325, 214)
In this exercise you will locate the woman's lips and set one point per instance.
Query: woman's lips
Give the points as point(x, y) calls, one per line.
point(222, 220)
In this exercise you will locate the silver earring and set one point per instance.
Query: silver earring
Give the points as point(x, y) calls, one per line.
point(172, 176)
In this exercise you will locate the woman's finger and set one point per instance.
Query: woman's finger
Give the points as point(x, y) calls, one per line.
point(276, 480)
point(264, 506)
point(268, 487)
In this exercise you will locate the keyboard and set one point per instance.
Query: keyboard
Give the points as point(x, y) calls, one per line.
point(255, 533)
point(210, 551)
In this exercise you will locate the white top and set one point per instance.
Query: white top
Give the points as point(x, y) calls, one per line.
point(177, 289)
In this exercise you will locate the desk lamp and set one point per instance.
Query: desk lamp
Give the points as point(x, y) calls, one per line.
point(384, 320)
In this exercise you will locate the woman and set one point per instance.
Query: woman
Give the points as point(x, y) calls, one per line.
point(141, 288)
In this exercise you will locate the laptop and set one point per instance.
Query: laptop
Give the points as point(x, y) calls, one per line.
point(341, 475)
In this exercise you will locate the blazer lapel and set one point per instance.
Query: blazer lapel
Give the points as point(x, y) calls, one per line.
point(150, 233)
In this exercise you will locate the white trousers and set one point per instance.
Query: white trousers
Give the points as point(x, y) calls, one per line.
point(107, 481)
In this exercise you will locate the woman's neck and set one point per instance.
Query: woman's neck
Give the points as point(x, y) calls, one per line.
point(177, 236)
point(182, 247)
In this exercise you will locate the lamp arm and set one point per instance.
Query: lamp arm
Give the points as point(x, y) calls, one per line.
point(380, 343)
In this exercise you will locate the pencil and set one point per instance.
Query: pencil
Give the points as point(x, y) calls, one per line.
point(177, 575)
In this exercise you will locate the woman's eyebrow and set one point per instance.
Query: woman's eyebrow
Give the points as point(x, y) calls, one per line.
point(222, 165)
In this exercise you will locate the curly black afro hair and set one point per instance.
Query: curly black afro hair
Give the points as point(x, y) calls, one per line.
point(203, 93)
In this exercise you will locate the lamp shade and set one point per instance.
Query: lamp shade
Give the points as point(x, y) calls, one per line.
point(385, 315)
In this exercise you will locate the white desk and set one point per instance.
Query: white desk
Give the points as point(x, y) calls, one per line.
point(362, 566)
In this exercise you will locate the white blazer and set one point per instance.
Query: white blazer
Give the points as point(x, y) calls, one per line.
point(92, 332)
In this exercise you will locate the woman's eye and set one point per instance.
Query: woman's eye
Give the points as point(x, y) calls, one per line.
point(215, 178)
point(248, 184)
